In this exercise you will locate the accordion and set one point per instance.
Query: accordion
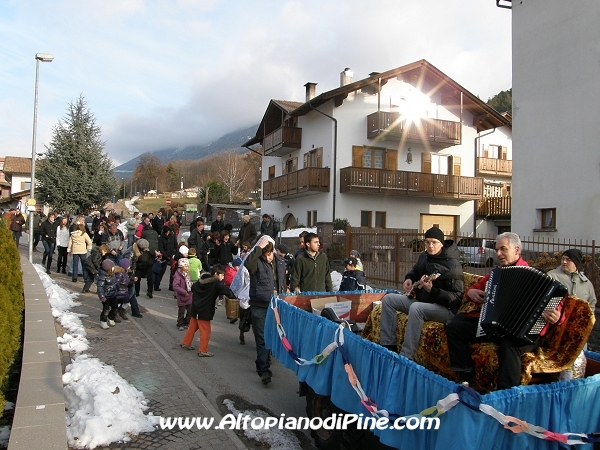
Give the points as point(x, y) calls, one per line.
point(515, 299)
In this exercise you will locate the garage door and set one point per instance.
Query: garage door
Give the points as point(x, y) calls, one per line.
point(445, 223)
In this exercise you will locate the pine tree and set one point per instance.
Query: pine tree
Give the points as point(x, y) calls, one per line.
point(75, 175)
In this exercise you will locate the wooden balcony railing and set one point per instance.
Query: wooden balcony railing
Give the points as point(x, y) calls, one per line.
point(494, 207)
point(311, 180)
point(441, 133)
point(282, 140)
point(494, 166)
point(376, 181)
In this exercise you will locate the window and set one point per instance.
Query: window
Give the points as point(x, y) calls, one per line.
point(311, 218)
point(548, 219)
point(314, 158)
point(440, 164)
point(365, 219)
point(25, 185)
point(289, 166)
point(379, 219)
point(374, 157)
point(271, 172)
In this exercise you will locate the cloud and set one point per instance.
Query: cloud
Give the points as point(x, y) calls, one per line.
point(159, 73)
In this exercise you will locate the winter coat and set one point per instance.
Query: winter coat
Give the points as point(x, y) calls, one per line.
point(226, 252)
point(157, 223)
point(448, 289)
point(269, 228)
point(94, 262)
point(114, 241)
point(247, 234)
point(143, 264)
point(48, 230)
point(353, 280)
point(577, 284)
point(107, 285)
point(311, 273)
point(184, 297)
point(131, 224)
point(197, 241)
point(62, 236)
point(195, 268)
point(167, 245)
point(204, 295)
point(262, 280)
point(152, 237)
point(217, 225)
point(79, 243)
point(229, 275)
point(16, 222)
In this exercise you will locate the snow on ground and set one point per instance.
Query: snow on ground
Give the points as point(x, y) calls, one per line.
point(4, 436)
point(277, 439)
point(101, 406)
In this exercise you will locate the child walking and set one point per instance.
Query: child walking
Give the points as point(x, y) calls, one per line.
point(204, 294)
point(182, 285)
point(107, 293)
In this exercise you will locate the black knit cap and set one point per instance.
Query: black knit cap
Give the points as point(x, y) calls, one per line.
point(574, 255)
point(435, 233)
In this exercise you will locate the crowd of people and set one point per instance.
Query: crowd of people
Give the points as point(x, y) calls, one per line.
point(118, 254)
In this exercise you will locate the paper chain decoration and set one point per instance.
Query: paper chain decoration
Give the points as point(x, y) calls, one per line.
point(462, 394)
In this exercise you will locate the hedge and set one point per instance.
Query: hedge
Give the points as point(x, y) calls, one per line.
point(11, 306)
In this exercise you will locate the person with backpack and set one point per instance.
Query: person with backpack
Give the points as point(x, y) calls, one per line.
point(125, 263)
point(182, 285)
point(107, 293)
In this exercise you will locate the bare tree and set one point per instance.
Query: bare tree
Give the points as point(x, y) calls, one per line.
point(233, 173)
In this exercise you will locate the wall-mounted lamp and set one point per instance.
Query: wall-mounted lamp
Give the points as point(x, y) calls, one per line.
point(409, 156)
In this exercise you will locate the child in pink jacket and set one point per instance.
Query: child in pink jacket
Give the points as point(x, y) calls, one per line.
point(182, 285)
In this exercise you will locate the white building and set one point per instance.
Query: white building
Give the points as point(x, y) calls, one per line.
point(398, 149)
point(556, 107)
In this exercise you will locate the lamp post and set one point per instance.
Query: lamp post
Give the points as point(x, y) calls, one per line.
point(43, 57)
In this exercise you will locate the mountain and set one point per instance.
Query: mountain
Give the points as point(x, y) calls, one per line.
point(229, 141)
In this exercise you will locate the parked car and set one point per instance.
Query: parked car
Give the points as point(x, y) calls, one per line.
point(478, 251)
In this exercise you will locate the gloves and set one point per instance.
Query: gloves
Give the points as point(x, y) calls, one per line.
point(103, 299)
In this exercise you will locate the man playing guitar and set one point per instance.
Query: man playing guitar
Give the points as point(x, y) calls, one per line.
point(438, 278)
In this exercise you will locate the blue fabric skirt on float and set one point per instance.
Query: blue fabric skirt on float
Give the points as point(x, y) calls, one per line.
point(404, 388)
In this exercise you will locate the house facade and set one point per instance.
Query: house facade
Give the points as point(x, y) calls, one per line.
point(407, 148)
point(556, 54)
point(16, 189)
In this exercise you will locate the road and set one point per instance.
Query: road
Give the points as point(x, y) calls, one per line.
point(231, 372)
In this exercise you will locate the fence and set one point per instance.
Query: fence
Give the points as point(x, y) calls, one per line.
point(388, 254)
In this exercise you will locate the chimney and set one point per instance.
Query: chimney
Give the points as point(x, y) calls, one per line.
point(346, 76)
point(311, 90)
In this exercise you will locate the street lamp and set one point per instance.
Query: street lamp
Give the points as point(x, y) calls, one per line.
point(43, 57)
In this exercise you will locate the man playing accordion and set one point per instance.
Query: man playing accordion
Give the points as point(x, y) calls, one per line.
point(461, 331)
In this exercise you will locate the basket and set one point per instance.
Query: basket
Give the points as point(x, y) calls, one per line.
point(231, 308)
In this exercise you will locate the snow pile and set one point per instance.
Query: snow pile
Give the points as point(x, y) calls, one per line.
point(277, 439)
point(101, 406)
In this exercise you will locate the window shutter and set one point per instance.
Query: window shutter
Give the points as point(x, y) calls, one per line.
point(455, 165)
point(357, 155)
point(391, 160)
point(283, 172)
point(295, 164)
point(504, 153)
point(320, 157)
point(426, 162)
point(306, 160)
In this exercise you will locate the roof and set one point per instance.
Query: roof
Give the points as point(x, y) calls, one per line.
point(17, 164)
point(273, 118)
point(417, 72)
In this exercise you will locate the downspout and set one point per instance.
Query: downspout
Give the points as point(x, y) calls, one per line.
point(477, 138)
point(334, 154)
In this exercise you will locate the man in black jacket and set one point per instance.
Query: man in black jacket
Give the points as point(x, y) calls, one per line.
point(436, 299)
point(197, 240)
point(267, 277)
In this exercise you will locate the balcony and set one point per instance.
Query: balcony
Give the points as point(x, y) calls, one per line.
point(282, 141)
point(309, 181)
point(414, 184)
point(387, 125)
point(494, 166)
point(494, 207)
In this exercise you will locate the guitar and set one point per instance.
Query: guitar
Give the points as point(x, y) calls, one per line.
point(415, 286)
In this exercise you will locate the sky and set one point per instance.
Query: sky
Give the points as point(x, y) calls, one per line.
point(171, 73)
